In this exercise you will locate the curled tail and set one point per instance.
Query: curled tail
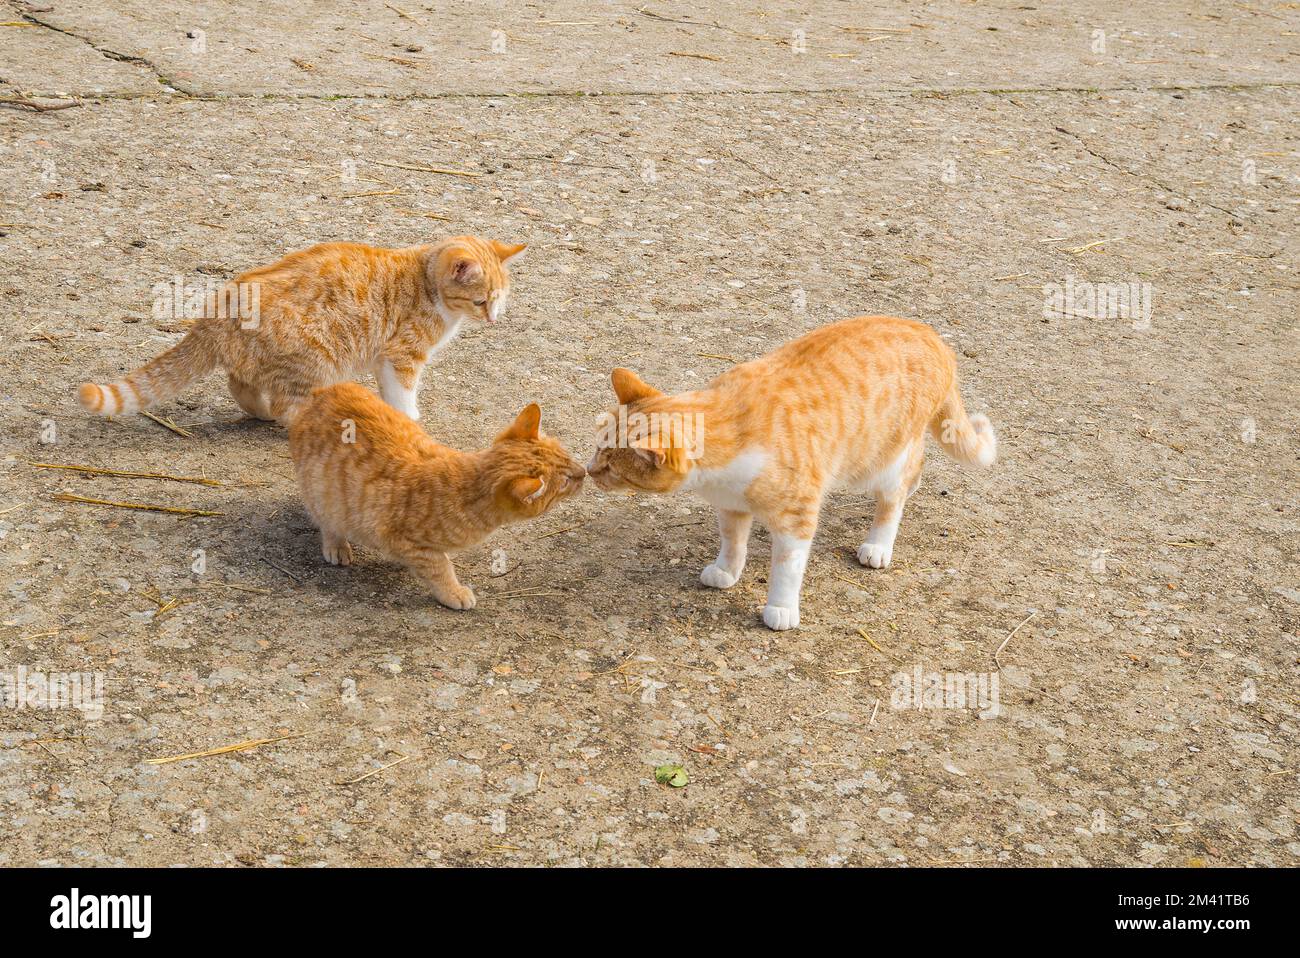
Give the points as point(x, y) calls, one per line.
point(968, 439)
point(157, 380)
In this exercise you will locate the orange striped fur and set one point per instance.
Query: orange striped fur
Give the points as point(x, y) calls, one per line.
point(371, 475)
point(325, 315)
point(845, 407)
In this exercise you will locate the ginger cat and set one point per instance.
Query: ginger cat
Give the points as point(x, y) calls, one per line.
point(325, 315)
point(843, 407)
point(369, 474)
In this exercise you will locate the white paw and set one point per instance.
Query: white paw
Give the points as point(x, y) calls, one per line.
point(413, 411)
point(874, 555)
point(779, 618)
point(462, 597)
point(717, 577)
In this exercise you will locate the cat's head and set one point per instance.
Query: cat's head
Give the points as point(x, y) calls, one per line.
point(531, 471)
point(633, 450)
point(469, 279)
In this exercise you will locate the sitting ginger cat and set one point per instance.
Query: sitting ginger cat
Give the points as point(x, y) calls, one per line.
point(369, 474)
point(325, 315)
point(843, 407)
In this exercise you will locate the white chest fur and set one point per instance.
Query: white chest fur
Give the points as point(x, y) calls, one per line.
point(449, 331)
point(450, 327)
point(724, 487)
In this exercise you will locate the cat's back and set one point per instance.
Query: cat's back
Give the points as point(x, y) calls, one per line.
point(860, 337)
point(349, 423)
point(840, 353)
point(320, 260)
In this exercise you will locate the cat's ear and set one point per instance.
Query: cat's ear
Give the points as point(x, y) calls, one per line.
point(507, 251)
point(654, 457)
point(629, 388)
point(526, 425)
point(527, 488)
point(673, 458)
point(455, 264)
point(465, 270)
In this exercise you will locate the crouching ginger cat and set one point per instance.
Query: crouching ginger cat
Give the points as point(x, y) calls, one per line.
point(843, 407)
point(325, 315)
point(369, 474)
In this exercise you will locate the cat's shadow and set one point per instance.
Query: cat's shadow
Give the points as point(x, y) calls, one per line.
point(268, 534)
point(275, 545)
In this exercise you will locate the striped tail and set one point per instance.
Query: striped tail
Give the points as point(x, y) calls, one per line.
point(157, 380)
point(969, 440)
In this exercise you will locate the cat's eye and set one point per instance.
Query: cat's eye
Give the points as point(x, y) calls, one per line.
point(480, 302)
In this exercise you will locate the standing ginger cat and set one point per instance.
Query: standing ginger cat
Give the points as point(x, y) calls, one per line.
point(843, 407)
point(324, 315)
point(369, 474)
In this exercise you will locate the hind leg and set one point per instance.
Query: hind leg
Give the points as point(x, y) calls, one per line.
point(892, 487)
point(250, 398)
point(283, 407)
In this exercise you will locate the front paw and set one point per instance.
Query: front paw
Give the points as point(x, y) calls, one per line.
point(338, 553)
point(779, 617)
point(717, 577)
point(874, 555)
point(460, 597)
point(413, 411)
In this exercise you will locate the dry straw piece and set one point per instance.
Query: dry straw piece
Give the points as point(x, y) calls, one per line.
point(97, 471)
point(871, 642)
point(428, 169)
point(1009, 637)
point(147, 507)
point(357, 196)
point(376, 771)
point(403, 14)
point(432, 216)
point(168, 424)
point(224, 749)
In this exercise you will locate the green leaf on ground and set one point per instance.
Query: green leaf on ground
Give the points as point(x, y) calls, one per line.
point(673, 775)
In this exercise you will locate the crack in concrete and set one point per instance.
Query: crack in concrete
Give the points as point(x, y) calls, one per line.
point(1146, 177)
point(161, 77)
point(108, 812)
point(926, 92)
point(937, 92)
